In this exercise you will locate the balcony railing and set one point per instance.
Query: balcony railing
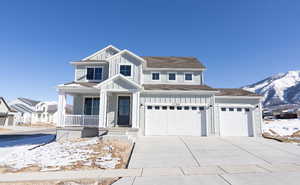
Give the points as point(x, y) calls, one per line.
point(81, 120)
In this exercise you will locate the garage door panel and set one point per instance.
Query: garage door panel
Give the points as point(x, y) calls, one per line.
point(175, 120)
point(234, 122)
point(158, 122)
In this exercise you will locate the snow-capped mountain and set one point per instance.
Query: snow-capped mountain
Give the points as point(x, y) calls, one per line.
point(279, 89)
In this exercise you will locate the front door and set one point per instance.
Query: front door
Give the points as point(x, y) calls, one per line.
point(123, 110)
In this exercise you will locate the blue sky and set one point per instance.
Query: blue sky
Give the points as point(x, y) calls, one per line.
point(240, 42)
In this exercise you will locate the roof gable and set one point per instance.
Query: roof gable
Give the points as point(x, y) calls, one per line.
point(4, 106)
point(100, 55)
point(118, 82)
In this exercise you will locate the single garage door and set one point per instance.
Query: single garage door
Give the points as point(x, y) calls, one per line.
point(235, 121)
point(175, 120)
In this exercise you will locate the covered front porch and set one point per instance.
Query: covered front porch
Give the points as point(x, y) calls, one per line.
point(110, 104)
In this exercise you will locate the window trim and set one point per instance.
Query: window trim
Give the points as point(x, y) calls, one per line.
point(158, 75)
point(125, 64)
point(175, 76)
point(188, 80)
point(94, 67)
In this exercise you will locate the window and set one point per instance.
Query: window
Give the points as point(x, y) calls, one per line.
point(231, 109)
point(194, 108)
point(201, 108)
point(149, 107)
point(125, 70)
point(91, 106)
point(239, 109)
point(94, 73)
point(188, 77)
point(179, 108)
point(171, 107)
point(156, 107)
point(247, 109)
point(186, 108)
point(155, 76)
point(223, 109)
point(172, 76)
point(164, 107)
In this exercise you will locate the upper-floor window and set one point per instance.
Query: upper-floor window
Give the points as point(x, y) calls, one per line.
point(125, 69)
point(172, 76)
point(94, 73)
point(188, 76)
point(155, 76)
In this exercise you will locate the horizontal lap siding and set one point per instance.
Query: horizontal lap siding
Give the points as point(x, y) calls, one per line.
point(179, 77)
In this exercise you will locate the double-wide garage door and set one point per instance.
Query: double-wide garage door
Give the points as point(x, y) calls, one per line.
point(175, 120)
point(235, 121)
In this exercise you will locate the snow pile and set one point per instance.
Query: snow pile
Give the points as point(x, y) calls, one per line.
point(283, 127)
point(56, 155)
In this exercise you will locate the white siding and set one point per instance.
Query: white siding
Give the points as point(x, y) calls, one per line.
point(179, 77)
point(126, 59)
point(80, 71)
point(104, 54)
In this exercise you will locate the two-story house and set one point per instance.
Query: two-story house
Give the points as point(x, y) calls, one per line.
point(155, 96)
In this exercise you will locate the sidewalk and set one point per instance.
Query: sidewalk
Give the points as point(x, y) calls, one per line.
point(210, 173)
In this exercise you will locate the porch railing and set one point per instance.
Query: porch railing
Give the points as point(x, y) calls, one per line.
point(81, 120)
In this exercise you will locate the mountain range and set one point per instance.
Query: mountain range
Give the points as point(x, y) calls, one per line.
point(282, 89)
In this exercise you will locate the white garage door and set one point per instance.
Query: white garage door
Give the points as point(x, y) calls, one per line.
point(235, 122)
point(175, 120)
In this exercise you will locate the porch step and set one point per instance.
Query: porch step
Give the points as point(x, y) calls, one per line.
point(121, 131)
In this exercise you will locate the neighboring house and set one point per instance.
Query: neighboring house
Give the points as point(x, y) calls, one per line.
point(6, 114)
point(155, 96)
point(24, 108)
point(45, 112)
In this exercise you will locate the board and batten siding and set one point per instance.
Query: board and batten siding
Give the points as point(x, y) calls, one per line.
point(235, 102)
point(80, 71)
point(116, 61)
point(104, 54)
point(179, 99)
point(197, 75)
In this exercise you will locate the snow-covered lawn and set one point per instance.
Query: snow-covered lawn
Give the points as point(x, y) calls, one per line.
point(67, 155)
point(283, 127)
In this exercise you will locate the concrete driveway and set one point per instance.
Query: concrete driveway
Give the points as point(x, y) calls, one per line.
point(214, 160)
point(173, 151)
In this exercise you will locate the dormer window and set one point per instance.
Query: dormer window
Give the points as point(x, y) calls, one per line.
point(188, 76)
point(94, 73)
point(125, 69)
point(172, 77)
point(156, 76)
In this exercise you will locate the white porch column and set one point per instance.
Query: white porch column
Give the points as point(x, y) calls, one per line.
point(61, 108)
point(135, 109)
point(102, 112)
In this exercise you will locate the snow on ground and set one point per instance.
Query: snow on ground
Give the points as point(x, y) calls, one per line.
point(283, 127)
point(55, 155)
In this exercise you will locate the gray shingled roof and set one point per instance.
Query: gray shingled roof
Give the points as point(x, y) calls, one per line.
point(178, 87)
point(29, 101)
point(173, 62)
point(234, 92)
